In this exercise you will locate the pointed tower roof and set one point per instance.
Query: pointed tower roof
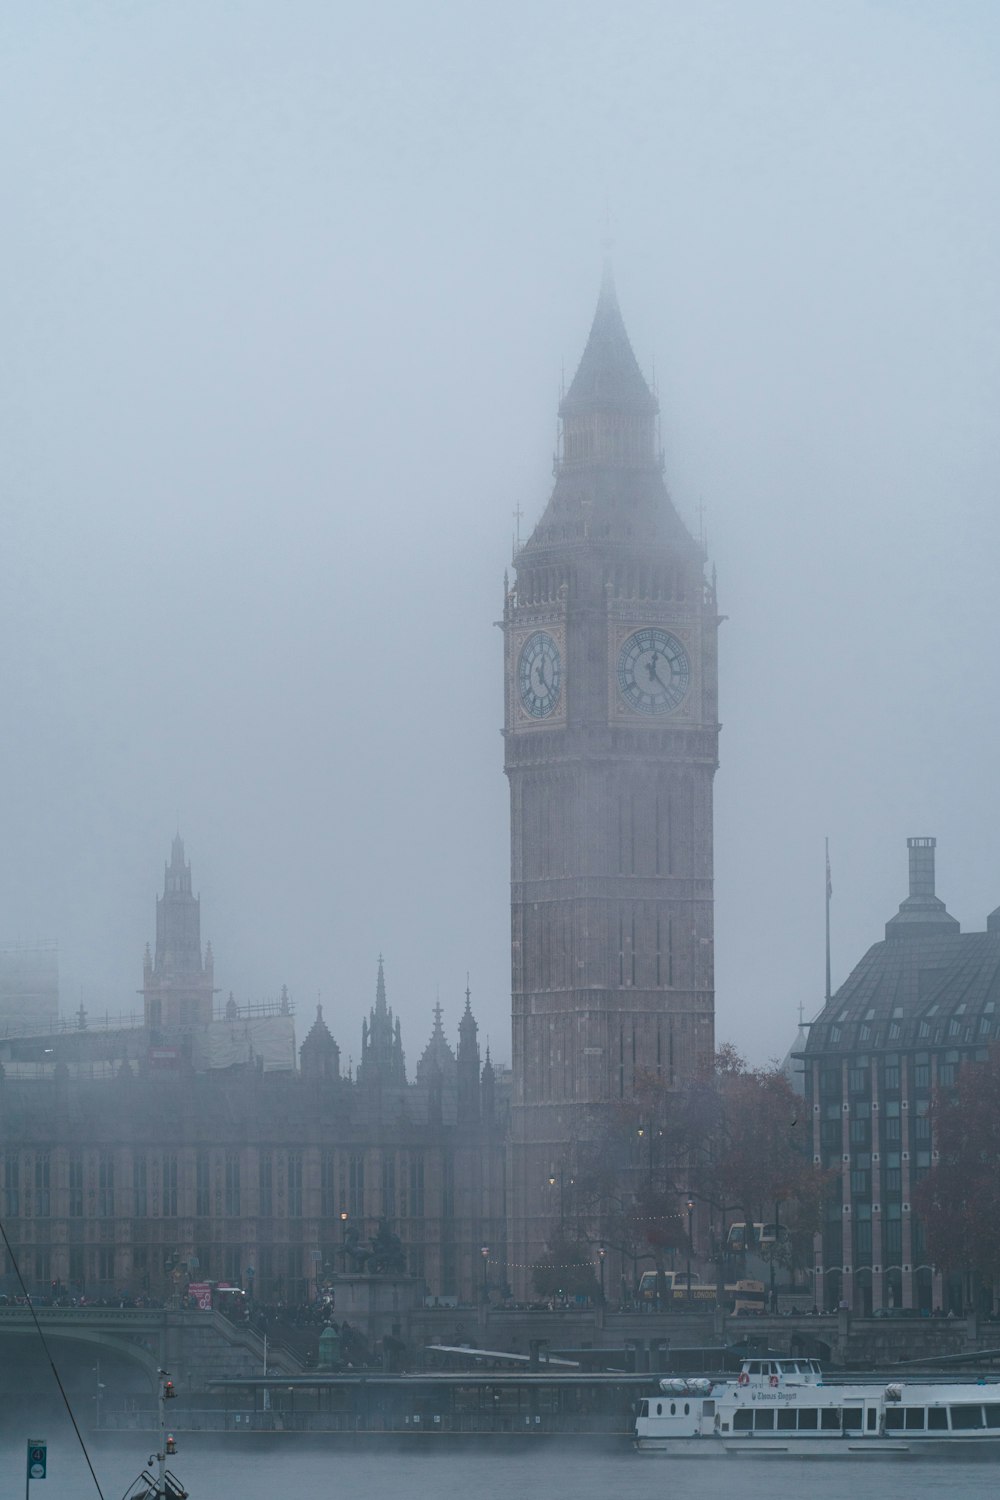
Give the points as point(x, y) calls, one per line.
point(319, 1055)
point(382, 1060)
point(608, 376)
point(468, 1029)
point(609, 488)
point(437, 1056)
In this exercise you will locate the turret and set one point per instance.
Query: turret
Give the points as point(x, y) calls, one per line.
point(468, 1066)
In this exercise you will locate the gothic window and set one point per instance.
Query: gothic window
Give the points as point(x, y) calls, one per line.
point(416, 1187)
point(106, 1185)
point(295, 1184)
point(12, 1185)
point(632, 954)
point(356, 1190)
point(76, 1186)
point(388, 1185)
point(202, 1186)
point(139, 1204)
point(43, 1204)
point(168, 1187)
point(265, 1185)
point(232, 1186)
point(327, 1186)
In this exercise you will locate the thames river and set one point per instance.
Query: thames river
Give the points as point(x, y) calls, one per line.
point(552, 1471)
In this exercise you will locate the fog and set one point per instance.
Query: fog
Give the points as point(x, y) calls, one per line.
point(287, 293)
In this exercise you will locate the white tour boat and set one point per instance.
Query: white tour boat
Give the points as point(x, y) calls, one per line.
point(783, 1406)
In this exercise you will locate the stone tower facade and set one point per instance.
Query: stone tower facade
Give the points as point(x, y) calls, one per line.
point(178, 984)
point(611, 745)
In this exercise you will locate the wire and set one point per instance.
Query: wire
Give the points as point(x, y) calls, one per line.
point(48, 1355)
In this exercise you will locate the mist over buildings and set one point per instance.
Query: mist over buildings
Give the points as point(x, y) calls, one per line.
point(288, 295)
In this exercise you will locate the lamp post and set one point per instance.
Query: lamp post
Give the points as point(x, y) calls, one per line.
point(601, 1253)
point(485, 1254)
point(690, 1209)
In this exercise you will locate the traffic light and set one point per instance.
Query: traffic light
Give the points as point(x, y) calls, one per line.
point(168, 1390)
point(171, 1443)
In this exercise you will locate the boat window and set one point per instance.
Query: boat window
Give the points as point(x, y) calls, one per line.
point(753, 1368)
point(742, 1420)
point(937, 1418)
point(965, 1417)
point(687, 1408)
point(830, 1418)
point(708, 1408)
point(673, 1408)
point(808, 1419)
point(852, 1418)
point(893, 1418)
point(786, 1420)
point(659, 1408)
point(872, 1419)
point(763, 1421)
point(914, 1416)
point(992, 1416)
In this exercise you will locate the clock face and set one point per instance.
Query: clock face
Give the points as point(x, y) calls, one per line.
point(539, 675)
point(654, 673)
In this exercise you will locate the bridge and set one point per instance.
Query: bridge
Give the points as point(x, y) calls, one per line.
point(196, 1347)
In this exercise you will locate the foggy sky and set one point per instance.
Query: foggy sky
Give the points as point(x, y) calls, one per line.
point(286, 295)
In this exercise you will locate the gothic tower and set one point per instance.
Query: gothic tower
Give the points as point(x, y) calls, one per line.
point(611, 745)
point(177, 984)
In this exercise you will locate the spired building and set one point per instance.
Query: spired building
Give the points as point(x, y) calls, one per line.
point(178, 986)
point(137, 1157)
point(611, 745)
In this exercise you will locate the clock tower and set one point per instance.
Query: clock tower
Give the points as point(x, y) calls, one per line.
point(611, 745)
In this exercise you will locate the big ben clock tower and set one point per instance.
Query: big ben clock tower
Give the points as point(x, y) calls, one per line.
point(611, 745)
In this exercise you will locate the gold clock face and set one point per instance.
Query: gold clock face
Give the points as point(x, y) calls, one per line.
point(654, 672)
point(539, 675)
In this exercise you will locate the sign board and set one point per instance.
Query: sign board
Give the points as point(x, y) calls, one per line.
point(201, 1291)
point(37, 1458)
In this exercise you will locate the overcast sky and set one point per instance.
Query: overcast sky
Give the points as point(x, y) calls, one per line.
point(287, 290)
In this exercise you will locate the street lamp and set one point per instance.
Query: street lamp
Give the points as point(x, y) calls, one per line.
point(485, 1253)
point(601, 1253)
point(690, 1208)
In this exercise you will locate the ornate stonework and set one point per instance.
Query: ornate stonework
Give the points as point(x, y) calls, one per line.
point(611, 784)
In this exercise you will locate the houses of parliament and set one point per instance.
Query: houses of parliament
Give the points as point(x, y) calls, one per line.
point(201, 1141)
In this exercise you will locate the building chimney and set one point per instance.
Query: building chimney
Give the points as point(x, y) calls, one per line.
point(922, 914)
point(921, 866)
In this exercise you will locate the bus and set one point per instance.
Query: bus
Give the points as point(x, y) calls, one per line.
point(745, 1298)
point(764, 1236)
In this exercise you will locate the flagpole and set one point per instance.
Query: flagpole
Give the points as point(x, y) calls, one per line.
point(829, 893)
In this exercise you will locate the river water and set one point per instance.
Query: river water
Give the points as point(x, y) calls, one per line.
point(308, 1469)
